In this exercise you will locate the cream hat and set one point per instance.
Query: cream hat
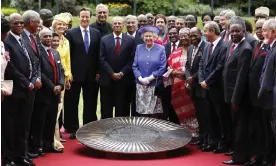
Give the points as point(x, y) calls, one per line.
point(262, 10)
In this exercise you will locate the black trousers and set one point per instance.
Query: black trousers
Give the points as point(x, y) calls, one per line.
point(221, 121)
point(240, 135)
point(114, 94)
point(202, 108)
point(71, 103)
point(44, 122)
point(169, 112)
point(15, 124)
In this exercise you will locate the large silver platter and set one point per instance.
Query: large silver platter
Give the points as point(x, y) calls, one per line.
point(133, 135)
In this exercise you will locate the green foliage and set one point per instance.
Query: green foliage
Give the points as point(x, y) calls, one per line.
point(7, 11)
point(194, 9)
point(155, 7)
point(117, 9)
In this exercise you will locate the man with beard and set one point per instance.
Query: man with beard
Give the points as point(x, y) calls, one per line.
point(150, 18)
point(179, 23)
point(195, 53)
point(171, 22)
point(47, 17)
point(170, 47)
point(267, 92)
point(190, 21)
point(17, 108)
point(210, 68)
point(235, 81)
point(101, 23)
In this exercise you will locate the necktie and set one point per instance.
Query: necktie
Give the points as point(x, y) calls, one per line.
point(33, 43)
point(257, 49)
point(231, 50)
point(86, 41)
point(265, 64)
point(227, 36)
point(174, 47)
point(27, 55)
point(194, 54)
point(51, 58)
point(211, 49)
point(118, 45)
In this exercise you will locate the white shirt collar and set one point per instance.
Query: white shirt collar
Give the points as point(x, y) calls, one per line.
point(215, 43)
point(120, 36)
point(46, 48)
point(271, 45)
point(176, 43)
point(133, 35)
point(17, 37)
point(236, 44)
point(82, 29)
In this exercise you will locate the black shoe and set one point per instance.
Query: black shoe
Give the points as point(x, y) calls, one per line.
point(195, 142)
point(208, 148)
point(231, 162)
point(40, 152)
point(32, 155)
point(7, 162)
point(72, 136)
point(52, 149)
point(220, 149)
point(254, 163)
point(267, 162)
point(229, 152)
point(24, 162)
point(203, 145)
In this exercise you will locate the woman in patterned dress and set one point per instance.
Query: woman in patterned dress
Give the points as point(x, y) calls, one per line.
point(181, 100)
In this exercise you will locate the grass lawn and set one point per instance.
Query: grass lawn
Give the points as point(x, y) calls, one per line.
point(76, 23)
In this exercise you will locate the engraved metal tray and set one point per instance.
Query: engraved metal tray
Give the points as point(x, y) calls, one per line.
point(133, 135)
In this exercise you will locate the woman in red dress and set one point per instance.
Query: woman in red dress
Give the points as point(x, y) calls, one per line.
point(181, 100)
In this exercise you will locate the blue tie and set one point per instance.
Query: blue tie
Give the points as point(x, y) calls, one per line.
point(86, 41)
point(265, 64)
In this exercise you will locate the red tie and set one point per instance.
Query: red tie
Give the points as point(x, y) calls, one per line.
point(33, 43)
point(257, 49)
point(227, 37)
point(231, 50)
point(118, 45)
point(51, 58)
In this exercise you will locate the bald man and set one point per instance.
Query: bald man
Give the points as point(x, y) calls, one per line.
point(47, 98)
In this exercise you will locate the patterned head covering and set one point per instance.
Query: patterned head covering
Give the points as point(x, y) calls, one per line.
point(68, 15)
point(63, 18)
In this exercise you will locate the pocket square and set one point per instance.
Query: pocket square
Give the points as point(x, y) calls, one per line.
point(58, 61)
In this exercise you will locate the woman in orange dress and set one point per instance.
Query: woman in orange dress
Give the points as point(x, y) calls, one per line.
point(180, 99)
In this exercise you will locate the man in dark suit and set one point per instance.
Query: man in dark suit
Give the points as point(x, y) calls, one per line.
point(267, 93)
point(256, 127)
point(116, 57)
point(210, 70)
point(235, 81)
point(195, 52)
point(17, 108)
point(225, 17)
point(48, 97)
point(84, 51)
point(170, 46)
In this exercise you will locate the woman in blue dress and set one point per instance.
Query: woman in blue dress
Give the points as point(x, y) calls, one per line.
point(148, 67)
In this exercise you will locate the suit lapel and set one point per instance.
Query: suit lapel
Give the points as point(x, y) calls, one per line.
point(45, 54)
point(217, 48)
point(123, 43)
point(79, 34)
point(254, 59)
point(28, 42)
point(15, 42)
point(235, 51)
point(199, 52)
point(112, 43)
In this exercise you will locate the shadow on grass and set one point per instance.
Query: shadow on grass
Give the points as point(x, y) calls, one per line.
point(89, 152)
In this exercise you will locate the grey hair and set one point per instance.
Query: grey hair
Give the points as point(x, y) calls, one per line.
point(142, 16)
point(118, 18)
point(216, 18)
point(178, 18)
point(213, 25)
point(184, 30)
point(271, 23)
point(45, 31)
point(130, 17)
point(11, 17)
point(101, 6)
point(171, 18)
point(228, 14)
point(237, 20)
point(30, 15)
point(149, 15)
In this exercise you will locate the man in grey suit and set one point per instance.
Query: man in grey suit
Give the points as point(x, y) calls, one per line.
point(267, 92)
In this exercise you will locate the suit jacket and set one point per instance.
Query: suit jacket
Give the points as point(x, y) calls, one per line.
point(193, 67)
point(47, 75)
point(18, 68)
point(105, 28)
point(211, 67)
point(35, 56)
point(255, 72)
point(250, 39)
point(111, 62)
point(84, 66)
point(235, 73)
point(267, 92)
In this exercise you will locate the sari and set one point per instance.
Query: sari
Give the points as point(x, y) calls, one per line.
point(180, 100)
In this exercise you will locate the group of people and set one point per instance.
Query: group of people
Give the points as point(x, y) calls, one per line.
point(218, 82)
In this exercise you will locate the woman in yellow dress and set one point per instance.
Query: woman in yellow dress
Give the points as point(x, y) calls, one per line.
point(59, 26)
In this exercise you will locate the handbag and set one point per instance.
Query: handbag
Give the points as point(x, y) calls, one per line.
point(159, 89)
